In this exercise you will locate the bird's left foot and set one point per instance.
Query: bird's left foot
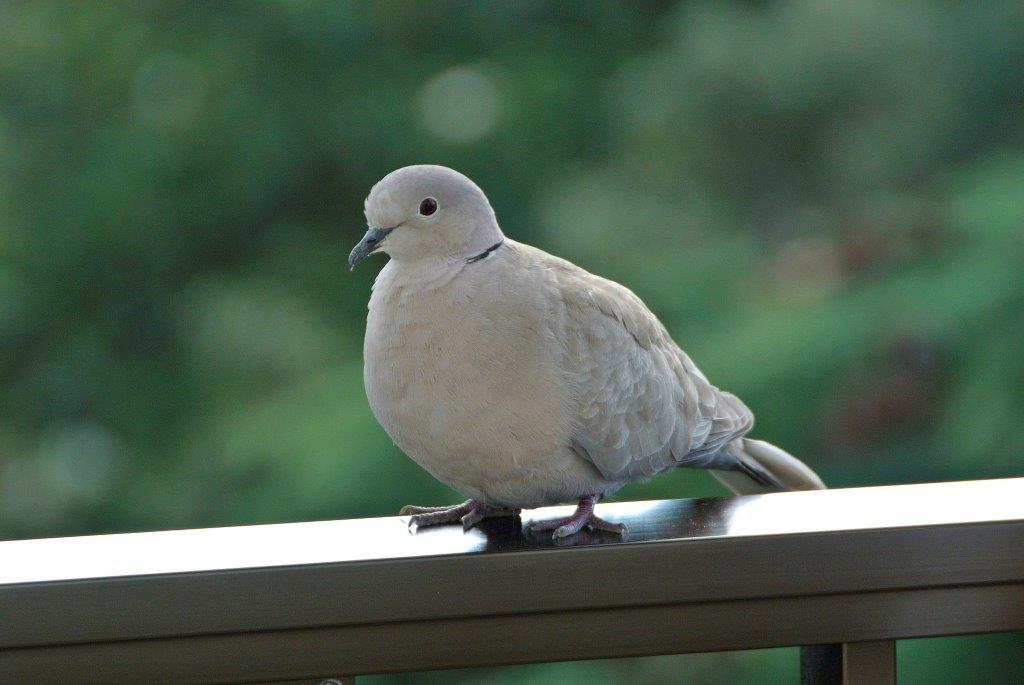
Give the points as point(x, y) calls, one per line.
point(469, 513)
point(583, 516)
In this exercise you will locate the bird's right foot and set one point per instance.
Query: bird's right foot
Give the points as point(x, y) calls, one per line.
point(469, 513)
point(583, 517)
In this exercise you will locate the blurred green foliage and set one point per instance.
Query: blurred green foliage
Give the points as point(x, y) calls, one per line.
point(822, 200)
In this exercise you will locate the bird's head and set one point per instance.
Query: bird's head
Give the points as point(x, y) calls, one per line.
point(426, 212)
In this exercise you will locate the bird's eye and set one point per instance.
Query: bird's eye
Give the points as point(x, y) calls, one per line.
point(428, 206)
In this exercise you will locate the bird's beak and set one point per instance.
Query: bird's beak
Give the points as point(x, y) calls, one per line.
point(367, 246)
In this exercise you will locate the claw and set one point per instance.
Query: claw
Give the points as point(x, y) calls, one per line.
point(470, 513)
point(593, 522)
point(583, 516)
point(474, 517)
point(435, 518)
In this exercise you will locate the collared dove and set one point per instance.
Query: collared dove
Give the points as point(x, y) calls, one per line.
point(521, 380)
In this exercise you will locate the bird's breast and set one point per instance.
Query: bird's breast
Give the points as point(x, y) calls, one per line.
point(466, 381)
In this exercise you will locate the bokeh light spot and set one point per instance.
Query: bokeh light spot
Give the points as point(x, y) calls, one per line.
point(460, 105)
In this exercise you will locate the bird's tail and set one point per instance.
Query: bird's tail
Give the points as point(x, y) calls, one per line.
point(762, 467)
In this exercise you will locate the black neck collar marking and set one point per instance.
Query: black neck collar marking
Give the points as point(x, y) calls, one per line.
point(483, 255)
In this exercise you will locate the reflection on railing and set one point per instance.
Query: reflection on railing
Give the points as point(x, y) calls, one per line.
point(859, 509)
point(209, 549)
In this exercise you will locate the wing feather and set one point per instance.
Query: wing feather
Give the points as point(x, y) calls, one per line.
point(643, 406)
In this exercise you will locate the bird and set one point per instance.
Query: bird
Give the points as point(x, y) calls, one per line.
point(521, 380)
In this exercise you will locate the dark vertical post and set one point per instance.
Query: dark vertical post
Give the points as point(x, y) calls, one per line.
point(821, 665)
point(851, 663)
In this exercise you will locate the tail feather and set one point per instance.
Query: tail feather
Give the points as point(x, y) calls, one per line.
point(762, 467)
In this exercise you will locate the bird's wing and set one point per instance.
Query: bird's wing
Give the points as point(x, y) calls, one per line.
point(643, 405)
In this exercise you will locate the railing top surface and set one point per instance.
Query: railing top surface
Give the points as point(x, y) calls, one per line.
point(360, 540)
point(298, 599)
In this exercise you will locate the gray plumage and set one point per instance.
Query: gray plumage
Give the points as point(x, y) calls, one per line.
point(520, 379)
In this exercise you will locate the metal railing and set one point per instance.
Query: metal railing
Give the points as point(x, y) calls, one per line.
point(847, 570)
